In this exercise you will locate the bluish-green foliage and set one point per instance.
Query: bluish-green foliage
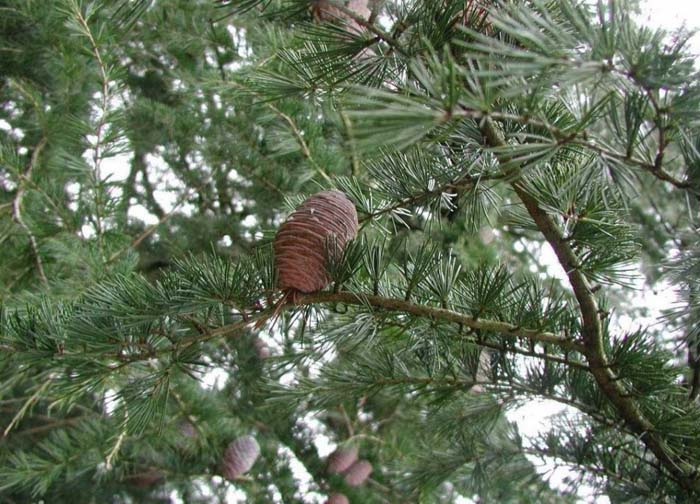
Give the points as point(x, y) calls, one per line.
point(150, 149)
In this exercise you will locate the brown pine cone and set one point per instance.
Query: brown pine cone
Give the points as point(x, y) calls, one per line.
point(341, 459)
point(326, 219)
point(337, 498)
point(358, 473)
point(261, 348)
point(239, 457)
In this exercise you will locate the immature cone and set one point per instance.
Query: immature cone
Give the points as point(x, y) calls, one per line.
point(325, 219)
point(341, 459)
point(239, 457)
point(261, 349)
point(337, 498)
point(358, 473)
point(187, 433)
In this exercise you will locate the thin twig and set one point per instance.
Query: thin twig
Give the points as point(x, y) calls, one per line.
point(17, 210)
point(99, 129)
point(354, 158)
point(115, 449)
point(348, 423)
point(302, 143)
point(370, 26)
point(23, 410)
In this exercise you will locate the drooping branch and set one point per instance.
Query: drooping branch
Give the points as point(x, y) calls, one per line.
point(592, 330)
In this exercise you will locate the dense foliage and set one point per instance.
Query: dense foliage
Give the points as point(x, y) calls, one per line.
point(149, 150)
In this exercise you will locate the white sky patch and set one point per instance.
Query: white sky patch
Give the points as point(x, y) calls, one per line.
point(536, 418)
point(672, 14)
point(110, 401)
point(7, 184)
point(87, 231)
point(249, 221)
point(140, 212)
point(299, 471)
point(214, 378)
point(655, 301)
point(116, 168)
point(226, 241)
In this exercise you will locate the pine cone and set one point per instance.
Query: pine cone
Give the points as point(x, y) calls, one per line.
point(341, 459)
point(261, 349)
point(302, 242)
point(187, 429)
point(239, 457)
point(337, 498)
point(358, 473)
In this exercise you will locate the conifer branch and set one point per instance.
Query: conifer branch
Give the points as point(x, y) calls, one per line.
point(388, 304)
point(464, 182)
point(429, 312)
point(298, 135)
point(592, 330)
point(527, 353)
point(580, 137)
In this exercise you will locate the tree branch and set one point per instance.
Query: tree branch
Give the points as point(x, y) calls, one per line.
point(592, 331)
point(580, 138)
point(434, 313)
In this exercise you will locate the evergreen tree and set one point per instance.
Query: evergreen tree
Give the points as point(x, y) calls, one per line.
point(471, 135)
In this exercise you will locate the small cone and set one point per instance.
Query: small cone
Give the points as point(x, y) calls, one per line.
point(187, 429)
point(261, 349)
point(358, 473)
point(341, 459)
point(337, 498)
point(239, 457)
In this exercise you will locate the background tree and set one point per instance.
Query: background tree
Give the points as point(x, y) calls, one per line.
point(149, 151)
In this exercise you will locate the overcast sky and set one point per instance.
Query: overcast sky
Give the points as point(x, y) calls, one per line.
point(671, 14)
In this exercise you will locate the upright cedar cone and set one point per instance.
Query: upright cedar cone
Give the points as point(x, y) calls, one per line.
point(302, 242)
point(337, 498)
point(261, 348)
point(239, 457)
point(341, 459)
point(358, 473)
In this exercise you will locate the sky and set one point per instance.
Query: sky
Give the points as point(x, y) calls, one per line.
point(671, 14)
